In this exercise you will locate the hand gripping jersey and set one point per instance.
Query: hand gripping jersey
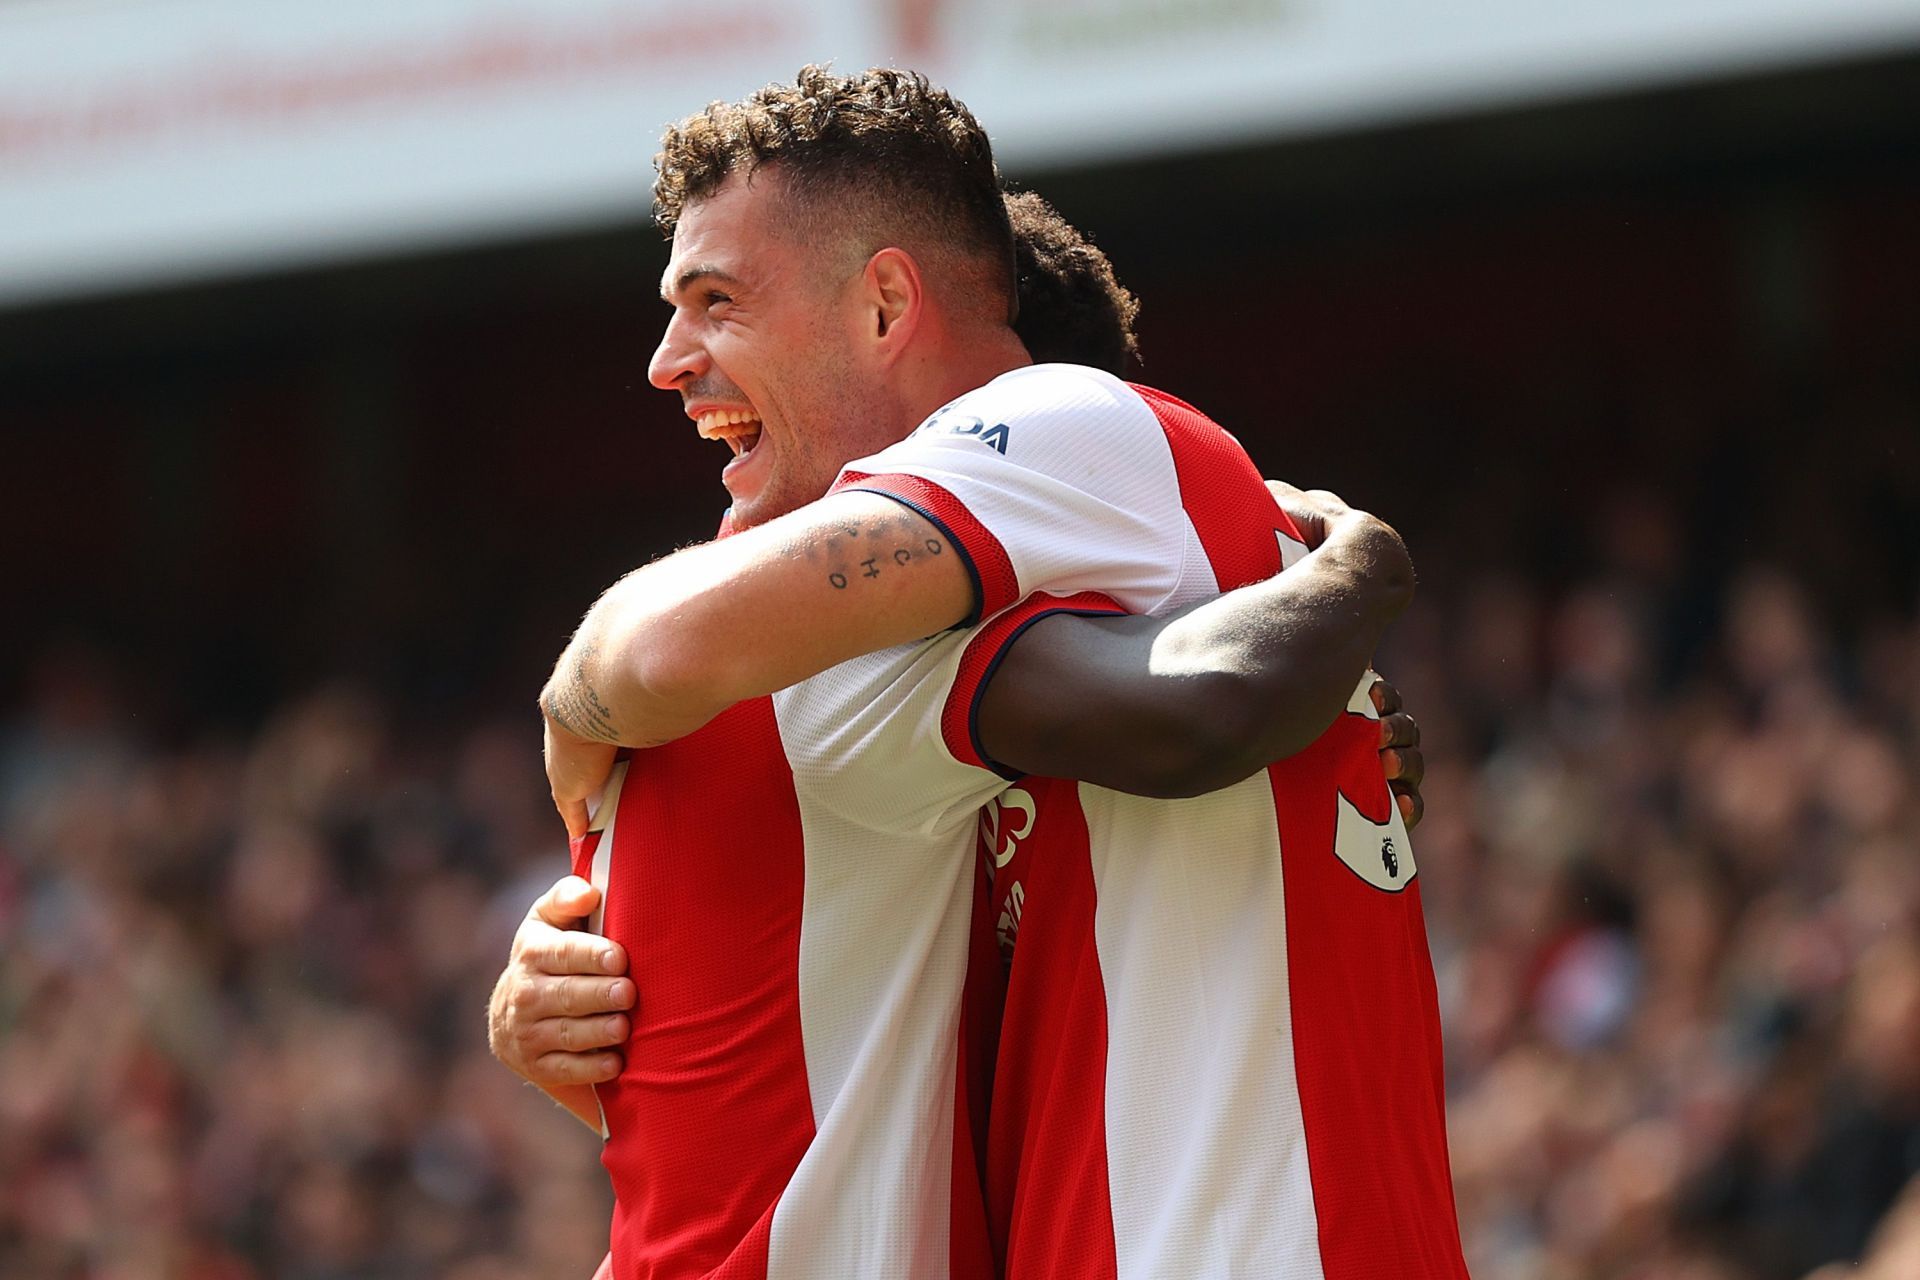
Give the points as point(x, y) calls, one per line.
point(796, 883)
point(1220, 1055)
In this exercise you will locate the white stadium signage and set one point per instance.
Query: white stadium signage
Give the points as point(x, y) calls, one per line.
point(145, 142)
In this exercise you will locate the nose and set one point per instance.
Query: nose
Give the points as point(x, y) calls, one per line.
point(679, 355)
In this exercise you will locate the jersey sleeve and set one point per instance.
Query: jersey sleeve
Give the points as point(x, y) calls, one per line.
point(888, 741)
point(1053, 478)
point(985, 650)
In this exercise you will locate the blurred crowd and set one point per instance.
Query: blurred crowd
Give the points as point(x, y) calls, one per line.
point(1670, 864)
point(1677, 931)
point(242, 1017)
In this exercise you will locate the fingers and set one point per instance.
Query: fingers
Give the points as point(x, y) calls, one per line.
point(1386, 698)
point(1405, 768)
point(1405, 765)
point(569, 1050)
point(559, 952)
point(1400, 754)
point(574, 1036)
point(561, 1005)
point(1308, 517)
point(1412, 806)
point(539, 997)
point(577, 769)
point(564, 906)
point(574, 814)
point(1328, 501)
point(573, 1068)
point(1399, 730)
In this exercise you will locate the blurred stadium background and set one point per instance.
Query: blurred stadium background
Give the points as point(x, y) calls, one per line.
point(323, 335)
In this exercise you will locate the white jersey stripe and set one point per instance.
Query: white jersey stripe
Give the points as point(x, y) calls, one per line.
point(880, 989)
point(605, 813)
point(1206, 1147)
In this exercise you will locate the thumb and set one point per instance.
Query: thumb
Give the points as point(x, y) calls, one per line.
point(570, 899)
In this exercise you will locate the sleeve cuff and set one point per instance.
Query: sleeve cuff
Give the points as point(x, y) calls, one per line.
point(987, 562)
point(960, 717)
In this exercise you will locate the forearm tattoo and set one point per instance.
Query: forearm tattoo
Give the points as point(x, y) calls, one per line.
point(574, 705)
point(861, 551)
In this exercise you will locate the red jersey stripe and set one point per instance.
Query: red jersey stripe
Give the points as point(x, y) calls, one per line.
point(716, 1063)
point(1048, 1191)
point(959, 719)
point(1383, 1194)
point(1366, 1042)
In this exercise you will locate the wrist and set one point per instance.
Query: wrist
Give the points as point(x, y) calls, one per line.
point(575, 712)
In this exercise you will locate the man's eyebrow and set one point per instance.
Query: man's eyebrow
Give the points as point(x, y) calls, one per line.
point(692, 275)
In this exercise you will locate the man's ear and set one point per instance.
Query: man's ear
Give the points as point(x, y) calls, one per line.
point(895, 298)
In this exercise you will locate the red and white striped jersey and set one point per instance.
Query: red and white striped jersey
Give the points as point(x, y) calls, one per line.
point(797, 888)
point(803, 1091)
point(1221, 1047)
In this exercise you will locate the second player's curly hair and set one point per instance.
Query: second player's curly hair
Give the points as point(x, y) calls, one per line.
point(1072, 308)
point(883, 153)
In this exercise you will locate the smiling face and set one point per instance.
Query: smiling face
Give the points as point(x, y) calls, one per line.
point(765, 348)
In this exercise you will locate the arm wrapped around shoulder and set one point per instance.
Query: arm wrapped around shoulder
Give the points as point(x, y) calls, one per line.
point(1200, 699)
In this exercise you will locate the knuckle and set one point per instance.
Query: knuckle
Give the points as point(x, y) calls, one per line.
point(578, 954)
point(556, 957)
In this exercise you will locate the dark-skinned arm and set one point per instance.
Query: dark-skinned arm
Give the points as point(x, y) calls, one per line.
point(1198, 700)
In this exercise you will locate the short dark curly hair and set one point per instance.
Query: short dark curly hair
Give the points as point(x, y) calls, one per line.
point(1073, 309)
point(884, 153)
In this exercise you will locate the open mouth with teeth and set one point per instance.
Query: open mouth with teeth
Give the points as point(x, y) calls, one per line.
point(740, 428)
